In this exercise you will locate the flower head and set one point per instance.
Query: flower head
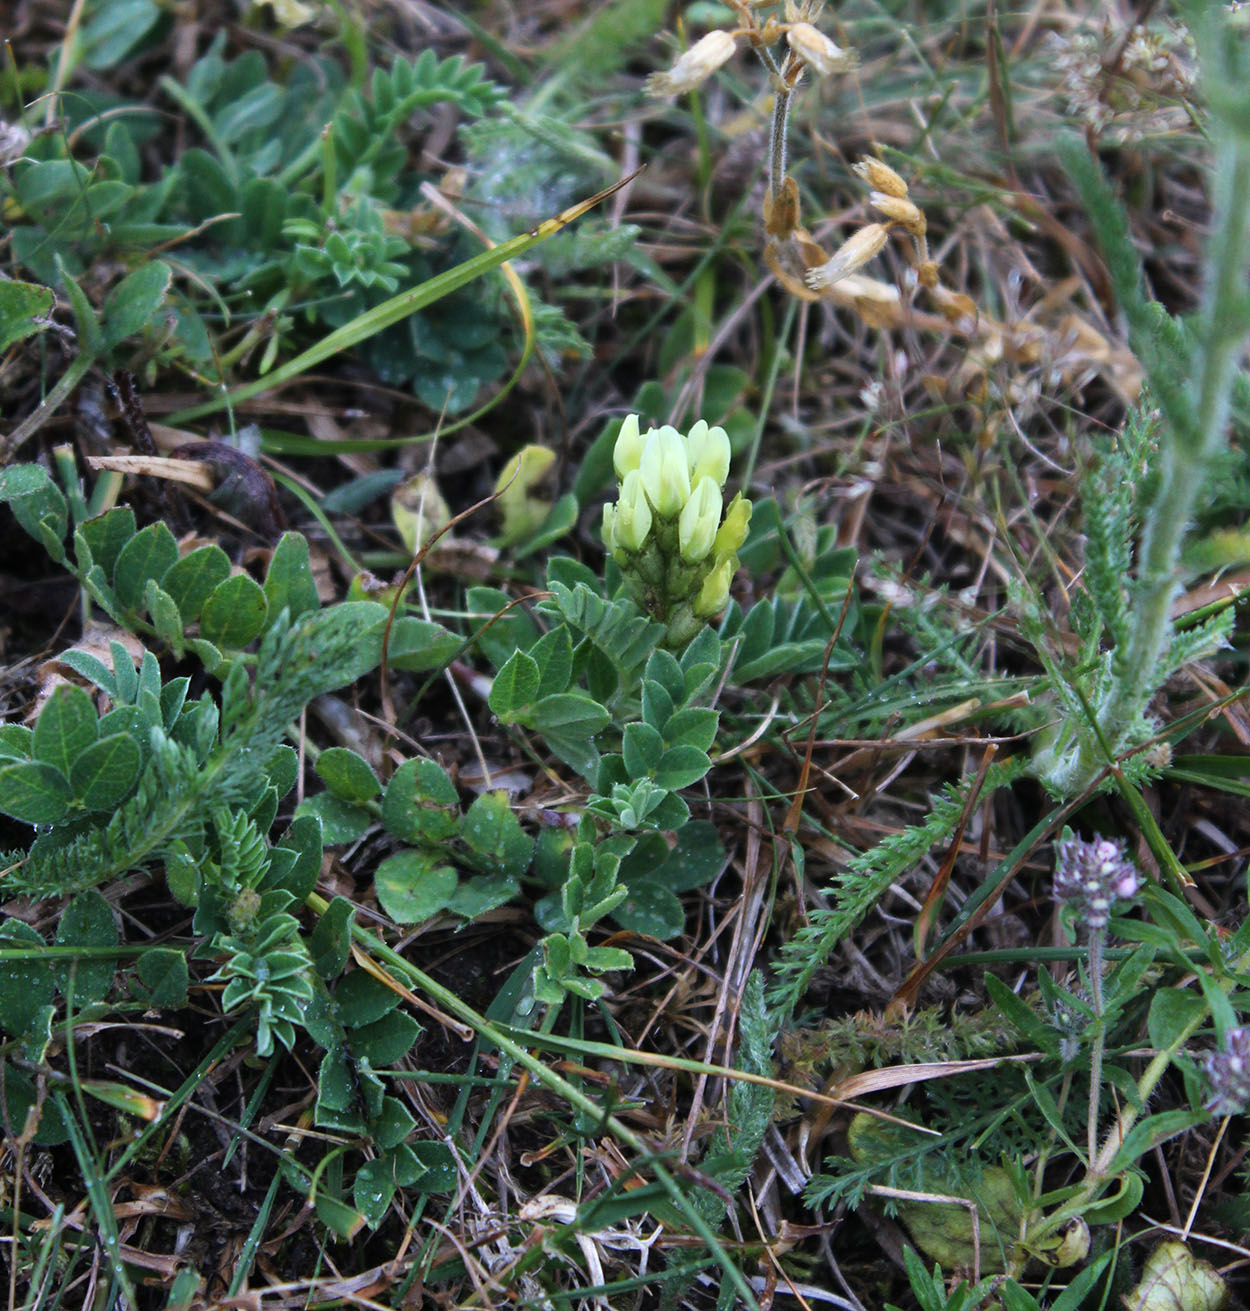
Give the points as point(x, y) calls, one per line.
point(1091, 876)
point(1228, 1074)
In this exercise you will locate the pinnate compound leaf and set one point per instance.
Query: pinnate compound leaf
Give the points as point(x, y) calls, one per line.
point(373, 1189)
point(412, 886)
point(331, 941)
point(150, 553)
point(386, 1040)
point(569, 713)
point(105, 772)
point(234, 613)
point(165, 617)
point(692, 727)
point(553, 653)
point(33, 792)
point(15, 741)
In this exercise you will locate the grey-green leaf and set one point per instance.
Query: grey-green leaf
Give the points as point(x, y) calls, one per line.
point(67, 726)
point(106, 771)
point(234, 614)
point(162, 977)
point(134, 301)
point(289, 580)
point(679, 767)
point(148, 554)
point(191, 580)
point(652, 909)
point(515, 686)
point(348, 775)
point(416, 645)
point(26, 986)
point(86, 922)
point(412, 886)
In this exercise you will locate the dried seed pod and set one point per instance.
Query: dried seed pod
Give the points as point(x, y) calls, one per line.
point(853, 254)
point(880, 177)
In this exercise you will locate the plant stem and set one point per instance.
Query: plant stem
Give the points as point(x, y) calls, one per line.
point(777, 140)
point(1184, 458)
point(1097, 940)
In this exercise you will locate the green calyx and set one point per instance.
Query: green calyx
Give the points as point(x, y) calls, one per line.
point(669, 530)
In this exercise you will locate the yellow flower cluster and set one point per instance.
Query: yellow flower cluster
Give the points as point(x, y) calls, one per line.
point(676, 543)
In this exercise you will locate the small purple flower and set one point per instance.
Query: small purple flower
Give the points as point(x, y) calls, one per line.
point(1228, 1074)
point(1091, 876)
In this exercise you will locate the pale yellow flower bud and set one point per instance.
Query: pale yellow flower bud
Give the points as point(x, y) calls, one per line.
point(880, 177)
point(664, 471)
point(695, 66)
point(901, 210)
point(707, 450)
point(715, 591)
point(733, 532)
point(700, 519)
point(633, 514)
point(609, 529)
point(853, 254)
point(815, 49)
point(627, 453)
